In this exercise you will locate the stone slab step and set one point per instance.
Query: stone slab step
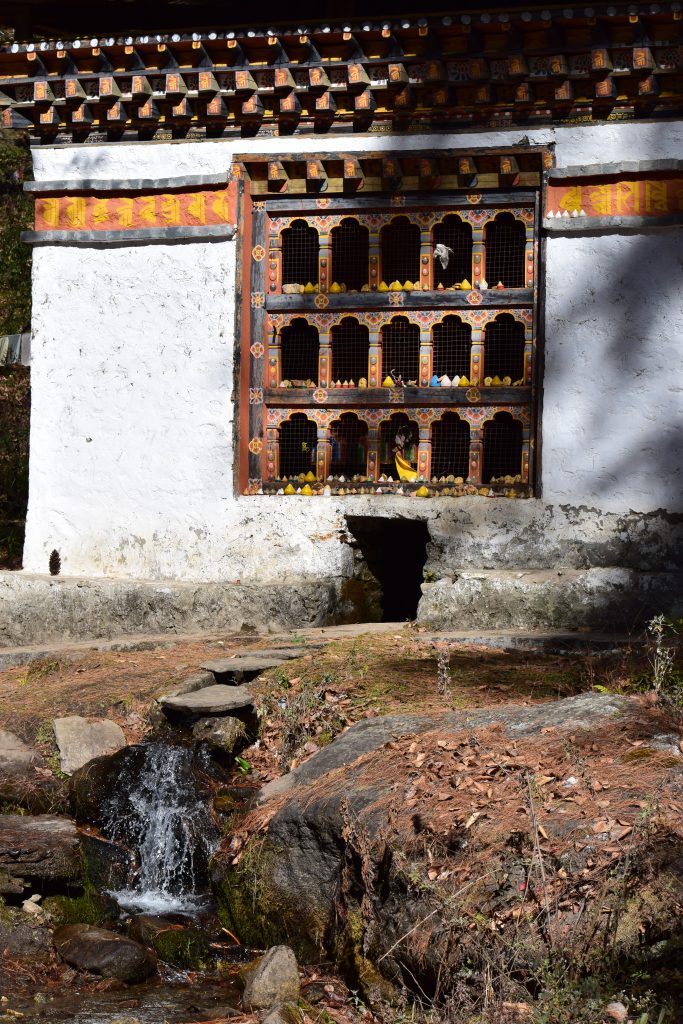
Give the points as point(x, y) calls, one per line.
point(240, 668)
point(211, 700)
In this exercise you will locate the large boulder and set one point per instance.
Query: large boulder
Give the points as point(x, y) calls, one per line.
point(39, 852)
point(91, 787)
point(102, 952)
point(273, 981)
point(423, 826)
point(79, 740)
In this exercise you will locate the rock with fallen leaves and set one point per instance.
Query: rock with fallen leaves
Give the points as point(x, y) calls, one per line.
point(416, 844)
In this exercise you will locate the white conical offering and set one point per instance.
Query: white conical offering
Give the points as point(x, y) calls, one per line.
point(575, 213)
point(549, 215)
point(327, 491)
point(446, 381)
point(565, 213)
point(582, 212)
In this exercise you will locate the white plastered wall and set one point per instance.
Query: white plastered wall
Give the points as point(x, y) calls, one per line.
point(132, 377)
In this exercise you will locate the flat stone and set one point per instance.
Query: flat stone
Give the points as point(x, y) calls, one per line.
point(79, 740)
point(36, 849)
point(275, 980)
point(192, 683)
point(212, 700)
point(102, 952)
point(16, 757)
point(239, 668)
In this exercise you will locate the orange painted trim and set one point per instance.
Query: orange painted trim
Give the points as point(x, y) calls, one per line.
point(627, 197)
point(193, 208)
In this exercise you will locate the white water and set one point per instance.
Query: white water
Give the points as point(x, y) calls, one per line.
point(156, 812)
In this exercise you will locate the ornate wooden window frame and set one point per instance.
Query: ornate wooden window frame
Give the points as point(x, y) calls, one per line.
point(265, 310)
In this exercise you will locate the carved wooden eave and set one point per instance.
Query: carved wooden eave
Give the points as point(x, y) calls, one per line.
point(465, 71)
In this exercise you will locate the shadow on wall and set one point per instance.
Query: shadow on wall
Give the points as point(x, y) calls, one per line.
point(389, 557)
point(614, 313)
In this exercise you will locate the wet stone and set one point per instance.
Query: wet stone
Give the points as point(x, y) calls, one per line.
point(228, 735)
point(275, 980)
point(103, 952)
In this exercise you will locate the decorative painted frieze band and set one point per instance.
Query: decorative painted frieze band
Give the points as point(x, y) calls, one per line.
point(190, 213)
point(614, 201)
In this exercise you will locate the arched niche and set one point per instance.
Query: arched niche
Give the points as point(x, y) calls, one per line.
point(300, 246)
point(502, 447)
point(297, 441)
point(450, 446)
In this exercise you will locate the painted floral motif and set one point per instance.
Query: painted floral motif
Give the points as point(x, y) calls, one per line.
point(258, 205)
point(474, 298)
point(396, 298)
point(320, 395)
point(255, 396)
point(257, 300)
point(474, 198)
point(398, 200)
point(473, 394)
point(256, 446)
point(322, 202)
point(322, 301)
point(257, 350)
point(258, 253)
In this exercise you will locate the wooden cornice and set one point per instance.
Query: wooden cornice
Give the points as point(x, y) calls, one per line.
point(465, 71)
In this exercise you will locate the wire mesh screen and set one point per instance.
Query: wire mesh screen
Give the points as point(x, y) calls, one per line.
point(400, 249)
point(502, 447)
point(505, 251)
point(350, 343)
point(298, 440)
point(397, 435)
point(300, 254)
point(504, 350)
point(349, 444)
point(452, 342)
point(456, 239)
point(450, 446)
point(299, 353)
point(350, 253)
point(401, 350)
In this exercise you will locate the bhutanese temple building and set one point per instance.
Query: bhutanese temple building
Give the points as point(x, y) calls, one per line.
point(338, 315)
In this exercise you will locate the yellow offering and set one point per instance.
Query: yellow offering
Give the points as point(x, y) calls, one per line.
point(404, 469)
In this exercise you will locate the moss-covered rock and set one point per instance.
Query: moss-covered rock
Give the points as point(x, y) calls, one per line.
point(174, 939)
point(89, 908)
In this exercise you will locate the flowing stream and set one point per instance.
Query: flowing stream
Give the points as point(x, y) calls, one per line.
point(155, 810)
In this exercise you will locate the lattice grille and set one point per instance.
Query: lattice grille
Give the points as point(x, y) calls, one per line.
point(300, 254)
point(350, 343)
point(299, 353)
point(504, 349)
point(452, 341)
point(349, 442)
point(502, 447)
point(450, 446)
point(298, 441)
point(400, 248)
point(505, 251)
point(397, 434)
point(350, 251)
point(457, 236)
point(401, 349)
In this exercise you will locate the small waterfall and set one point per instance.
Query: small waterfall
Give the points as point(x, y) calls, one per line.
point(155, 811)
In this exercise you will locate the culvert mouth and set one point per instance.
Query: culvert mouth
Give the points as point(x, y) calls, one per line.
point(389, 561)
